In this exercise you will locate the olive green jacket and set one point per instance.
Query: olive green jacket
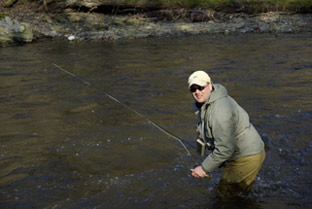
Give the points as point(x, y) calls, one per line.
point(227, 125)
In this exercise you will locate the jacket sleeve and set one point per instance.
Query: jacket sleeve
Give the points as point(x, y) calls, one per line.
point(223, 130)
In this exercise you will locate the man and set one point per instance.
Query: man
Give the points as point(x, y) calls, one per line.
point(225, 127)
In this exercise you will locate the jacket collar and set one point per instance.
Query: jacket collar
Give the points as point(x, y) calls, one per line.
point(218, 92)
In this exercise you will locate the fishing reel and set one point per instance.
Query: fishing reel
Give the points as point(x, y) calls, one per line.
point(203, 145)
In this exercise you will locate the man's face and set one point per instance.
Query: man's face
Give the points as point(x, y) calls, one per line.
point(201, 95)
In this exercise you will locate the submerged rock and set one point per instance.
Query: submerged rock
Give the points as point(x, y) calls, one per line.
point(13, 31)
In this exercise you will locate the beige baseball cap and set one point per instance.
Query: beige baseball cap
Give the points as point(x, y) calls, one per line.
point(200, 78)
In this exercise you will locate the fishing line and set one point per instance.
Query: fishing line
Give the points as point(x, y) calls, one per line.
point(136, 112)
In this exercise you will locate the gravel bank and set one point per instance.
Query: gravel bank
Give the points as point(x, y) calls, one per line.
point(74, 26)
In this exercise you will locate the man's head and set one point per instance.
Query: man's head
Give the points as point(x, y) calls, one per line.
point(200, 85)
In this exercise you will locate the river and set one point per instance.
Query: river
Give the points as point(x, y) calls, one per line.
point(66, 144)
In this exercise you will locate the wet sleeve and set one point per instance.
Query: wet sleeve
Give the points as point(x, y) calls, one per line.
point(223, 129)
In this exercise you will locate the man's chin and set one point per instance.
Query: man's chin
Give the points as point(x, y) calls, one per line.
point(200, 100)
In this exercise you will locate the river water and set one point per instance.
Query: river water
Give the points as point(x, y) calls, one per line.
point(65, 144)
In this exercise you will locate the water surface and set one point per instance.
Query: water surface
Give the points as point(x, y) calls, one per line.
point(64, 144)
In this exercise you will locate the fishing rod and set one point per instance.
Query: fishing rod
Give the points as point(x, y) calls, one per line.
point(181, 141)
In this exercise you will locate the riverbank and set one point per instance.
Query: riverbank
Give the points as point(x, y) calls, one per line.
point(33, 22)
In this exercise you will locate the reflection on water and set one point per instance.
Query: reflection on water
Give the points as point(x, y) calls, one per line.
point(66, 145)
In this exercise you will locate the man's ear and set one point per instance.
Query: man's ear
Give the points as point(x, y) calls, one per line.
point(210, 86)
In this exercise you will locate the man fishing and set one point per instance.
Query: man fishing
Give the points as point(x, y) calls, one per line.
point(225, 129)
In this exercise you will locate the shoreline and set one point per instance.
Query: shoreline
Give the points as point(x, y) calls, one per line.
point(73, 25)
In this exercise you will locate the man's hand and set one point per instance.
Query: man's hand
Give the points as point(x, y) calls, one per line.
point(198, 172)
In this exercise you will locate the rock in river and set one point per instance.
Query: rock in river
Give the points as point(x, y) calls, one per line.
point(13, 31)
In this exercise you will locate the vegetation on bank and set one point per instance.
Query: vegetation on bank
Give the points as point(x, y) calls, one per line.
point(290, 4)
point(27, 20)
point(249, 6)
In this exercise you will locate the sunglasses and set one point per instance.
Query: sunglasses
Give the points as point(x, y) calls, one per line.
point(194, 88)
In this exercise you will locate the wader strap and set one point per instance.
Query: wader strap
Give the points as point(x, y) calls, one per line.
point(204, 126)
point(203, 131)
